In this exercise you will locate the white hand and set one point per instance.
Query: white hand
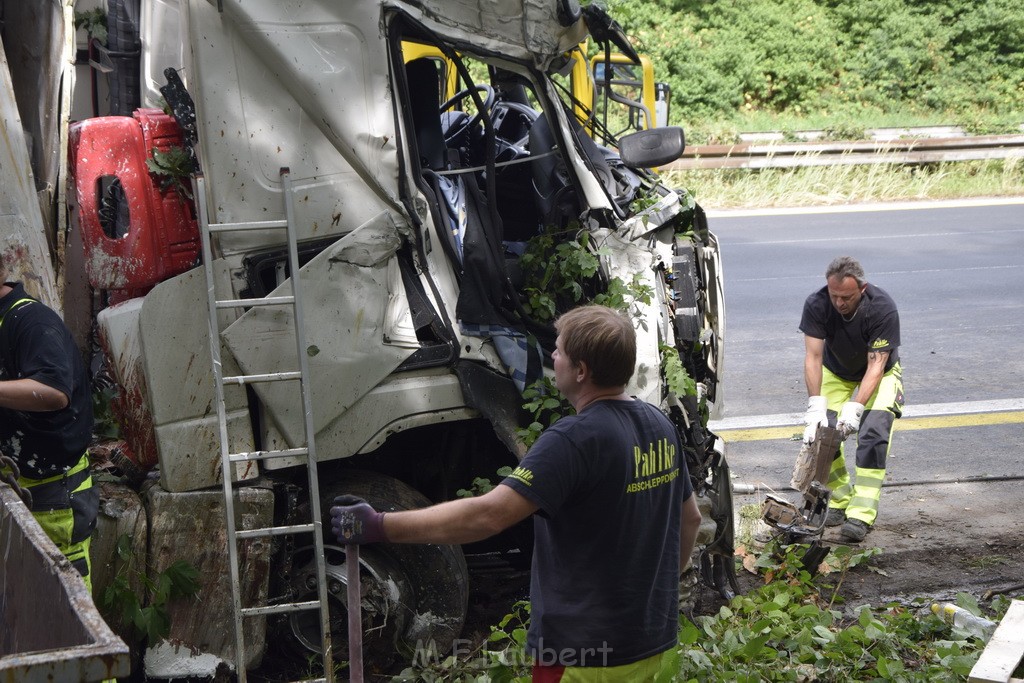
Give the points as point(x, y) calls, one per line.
point(816, 416)
point(849, 418)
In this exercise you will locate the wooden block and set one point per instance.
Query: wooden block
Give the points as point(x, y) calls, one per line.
point(1004, 651)
point(190, 526)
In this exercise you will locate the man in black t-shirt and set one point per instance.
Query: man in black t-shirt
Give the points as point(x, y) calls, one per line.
point(615, 517)
point(46, 420)
point(854, 382)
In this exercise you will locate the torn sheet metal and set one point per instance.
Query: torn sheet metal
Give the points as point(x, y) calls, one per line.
point(23, 244)
point(347, 290)
point(525, 30)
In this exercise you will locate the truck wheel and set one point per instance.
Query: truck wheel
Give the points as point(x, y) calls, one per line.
point(414, 597)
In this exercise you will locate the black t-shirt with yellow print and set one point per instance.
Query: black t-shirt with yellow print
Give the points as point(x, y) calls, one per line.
point(875, 326)
point(610, 484)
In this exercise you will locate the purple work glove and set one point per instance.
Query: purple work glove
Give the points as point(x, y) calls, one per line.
point(353, 521)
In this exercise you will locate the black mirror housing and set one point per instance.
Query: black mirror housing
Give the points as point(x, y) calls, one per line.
point(652, 147)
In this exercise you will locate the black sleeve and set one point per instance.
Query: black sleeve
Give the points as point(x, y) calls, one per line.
point(885, 332)
point(43, 356)
point(549, 473)
point(812, 322)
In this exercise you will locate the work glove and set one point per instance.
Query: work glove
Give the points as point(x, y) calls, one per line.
point(816, 416)
point(353, 521)
point(849, 418)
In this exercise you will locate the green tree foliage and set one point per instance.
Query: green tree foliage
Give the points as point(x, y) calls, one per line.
point(724, 58)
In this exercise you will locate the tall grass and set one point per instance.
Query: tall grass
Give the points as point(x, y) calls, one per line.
point(833, 185)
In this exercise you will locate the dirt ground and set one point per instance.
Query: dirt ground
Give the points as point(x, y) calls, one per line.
point(937, 540)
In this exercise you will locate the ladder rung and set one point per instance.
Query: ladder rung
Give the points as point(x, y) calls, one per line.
point(265, 301)
point(269, 377)
point(239, 227)
point(268, 455)
point(274, 531)
point(280, 609)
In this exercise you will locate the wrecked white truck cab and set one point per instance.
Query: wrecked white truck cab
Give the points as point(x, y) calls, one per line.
point(439, 173)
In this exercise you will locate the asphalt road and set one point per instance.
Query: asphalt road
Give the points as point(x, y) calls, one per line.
point(957, 275)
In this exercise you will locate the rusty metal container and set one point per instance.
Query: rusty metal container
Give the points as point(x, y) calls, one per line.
point(51, 628)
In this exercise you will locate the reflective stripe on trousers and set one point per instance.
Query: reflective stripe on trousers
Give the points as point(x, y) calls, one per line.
point(860, 497)
point(66, 506)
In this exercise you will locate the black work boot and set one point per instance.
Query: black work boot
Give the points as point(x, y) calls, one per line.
point(835, 517)
point(854, 530)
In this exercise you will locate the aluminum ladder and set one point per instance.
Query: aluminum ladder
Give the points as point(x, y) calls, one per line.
point(230, 460)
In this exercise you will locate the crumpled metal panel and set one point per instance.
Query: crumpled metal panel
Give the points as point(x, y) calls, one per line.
point(23, 245)
point(624, 258)
point(301, 84)
point(525, 30)
point(179, 385)
point(348, 290)
point(51, 628)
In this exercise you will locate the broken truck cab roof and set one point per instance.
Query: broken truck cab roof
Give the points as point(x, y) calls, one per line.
point(533, 32)
point(330, 71)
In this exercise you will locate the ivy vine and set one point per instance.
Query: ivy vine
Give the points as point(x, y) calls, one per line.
point(546, 405)
point(153, 621)
point(172, 167)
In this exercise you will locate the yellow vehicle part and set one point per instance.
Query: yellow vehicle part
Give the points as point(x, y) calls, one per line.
point(586, 77)
point(584, 80)
point(623, 78)
point(449, 74)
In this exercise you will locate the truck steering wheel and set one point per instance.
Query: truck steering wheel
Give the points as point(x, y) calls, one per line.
point(489, 97)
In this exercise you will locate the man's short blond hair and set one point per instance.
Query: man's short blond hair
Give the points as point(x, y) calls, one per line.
point(604, 339)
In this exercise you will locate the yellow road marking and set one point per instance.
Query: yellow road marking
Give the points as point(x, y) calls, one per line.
point(902, 425)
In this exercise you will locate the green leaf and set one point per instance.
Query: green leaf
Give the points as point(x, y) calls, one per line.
point(969, 603)
point(824, 635)
point(184, 578)
point(689, 634)
point(670, 664)
point(156, 624)
point(124, 547)
point(163, 589)
point(754, 647)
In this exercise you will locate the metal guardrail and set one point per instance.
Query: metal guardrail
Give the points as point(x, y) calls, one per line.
point(881, 151)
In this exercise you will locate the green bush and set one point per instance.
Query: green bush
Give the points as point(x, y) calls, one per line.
point(728, 59)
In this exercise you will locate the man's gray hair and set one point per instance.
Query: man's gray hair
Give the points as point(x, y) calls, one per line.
point(844, 267)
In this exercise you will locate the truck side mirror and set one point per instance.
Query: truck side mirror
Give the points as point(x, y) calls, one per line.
point(653, 147)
